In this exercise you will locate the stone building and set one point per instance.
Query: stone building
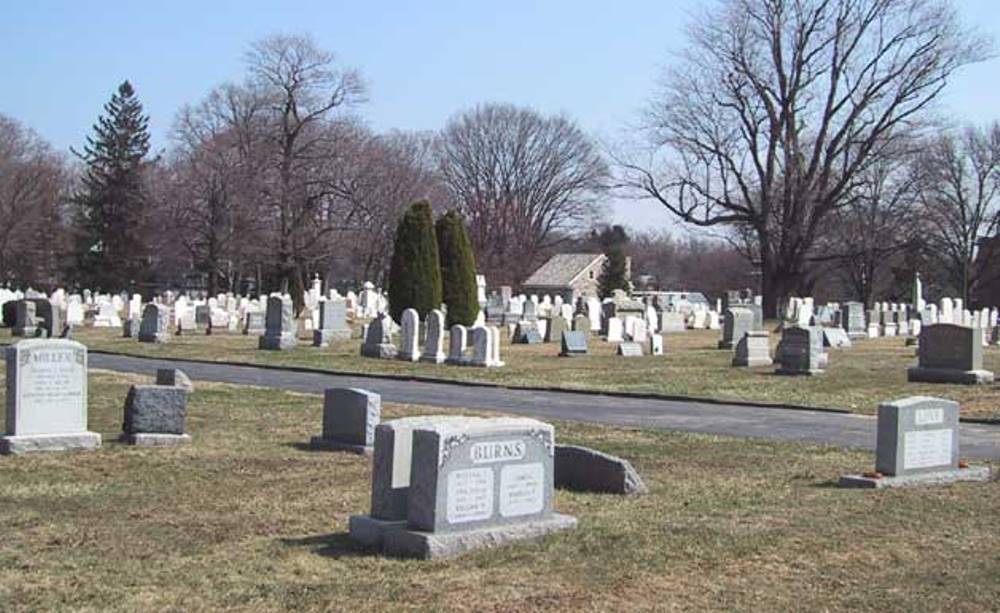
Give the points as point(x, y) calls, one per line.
point(570, 275)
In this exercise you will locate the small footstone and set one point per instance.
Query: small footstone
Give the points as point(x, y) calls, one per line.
point(174, 378)
point(583, 469)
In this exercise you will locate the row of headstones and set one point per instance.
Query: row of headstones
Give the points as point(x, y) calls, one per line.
point(484, 341)
point(47, 402)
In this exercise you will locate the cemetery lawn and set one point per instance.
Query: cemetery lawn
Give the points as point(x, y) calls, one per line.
point(857, 379)
point(248, 518)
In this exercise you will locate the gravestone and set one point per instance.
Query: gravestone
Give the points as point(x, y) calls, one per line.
point(173, 377)
point(378, 340)
point(527, 333)
point(254, 324)
point(630, 350)
point(280, 331)
point(554, 331)
point(155, 416)
point(800, 351)
point(153, 328)
point(409, 345)
point(754, 349)
point(474, 482)
point(581, 323)
point(737, 322)
point(48, 323)
point(950, 353)
point(457, 342)
point(836, 337)
point(350, 416)
point(917, 443)
point(485, 347)
point(25, 323)
point(47, 397)
point(615, 331)
point(672, 322)
point(574, 343)
point(434, 343)
point(655, 344)
point(332, 323)
point(854, 320)
point(582, 469)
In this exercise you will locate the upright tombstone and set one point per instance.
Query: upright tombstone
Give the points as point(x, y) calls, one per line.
point(332, 323)
point(527, 333)
point(754, 349)
point(853, 320)
point(47, 397)
point(800, 351)
point(350, 416)
point(155, 416)
point(409, 346)
point(47, 319)
point(615, 330)
point(378, 339)
point(917, 444)
point(254, 325)
point(835, 337)
point(949, 353)
point(581, 323)
point(457, 342)
point(434, 343)
point(554, 331)
point(655, 344)
point(280, 328)
point(473, 482)
point(25, 323)
point(483, 352)
point(153, 328)
point(574, 343)
point(737, 322)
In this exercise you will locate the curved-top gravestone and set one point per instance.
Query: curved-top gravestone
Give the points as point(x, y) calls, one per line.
point(47, 397)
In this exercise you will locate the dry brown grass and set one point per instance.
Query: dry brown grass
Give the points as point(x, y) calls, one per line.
point(247, 518)
point(857, 378)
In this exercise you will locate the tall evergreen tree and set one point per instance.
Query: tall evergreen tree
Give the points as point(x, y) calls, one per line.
point(614, 273)
point(111, 248)
point(415, 270)
point(458, 269)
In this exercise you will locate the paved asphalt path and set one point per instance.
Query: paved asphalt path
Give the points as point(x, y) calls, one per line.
point(841, 429)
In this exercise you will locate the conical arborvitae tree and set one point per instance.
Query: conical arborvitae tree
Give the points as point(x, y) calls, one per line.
point(458, 269)
point(111, 207)
point(614, 273)
point(415, 271)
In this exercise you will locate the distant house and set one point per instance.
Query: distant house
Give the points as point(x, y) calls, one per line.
point(570, 275)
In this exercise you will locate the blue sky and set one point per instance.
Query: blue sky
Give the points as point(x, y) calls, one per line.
point(596, 61)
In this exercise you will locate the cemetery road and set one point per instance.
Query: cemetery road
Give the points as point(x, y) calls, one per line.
point(978, 442)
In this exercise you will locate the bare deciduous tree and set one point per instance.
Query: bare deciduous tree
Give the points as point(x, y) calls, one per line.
point(522, 180)
point(214, 177)
point(779, 106)
point(959, 185)
point(33, 188)
point(304, 91)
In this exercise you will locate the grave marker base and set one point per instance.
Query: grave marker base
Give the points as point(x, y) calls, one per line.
point(369, 531)
point(79, 441)
point(277, 343)
point(788, 372)
point(150, 439)
point(942, 375)
point(406, 543)
point(325, 444)
point(941, 477)
point(752, 362)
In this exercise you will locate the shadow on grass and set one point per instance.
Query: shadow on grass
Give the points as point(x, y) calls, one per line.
point(334, 545)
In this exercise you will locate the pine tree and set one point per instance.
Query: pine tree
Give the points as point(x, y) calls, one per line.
point(415, 270)
point(458, 269)
point(614, 272)
point(111, 207)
